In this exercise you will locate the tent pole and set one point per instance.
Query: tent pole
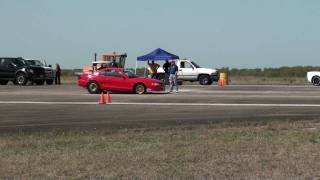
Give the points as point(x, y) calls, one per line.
point(135, 71)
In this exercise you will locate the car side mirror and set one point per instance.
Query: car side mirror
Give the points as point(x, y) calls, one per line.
point(124, 76)
point(49, 65)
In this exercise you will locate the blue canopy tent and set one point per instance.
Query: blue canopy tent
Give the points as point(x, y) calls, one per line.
point(156, 55)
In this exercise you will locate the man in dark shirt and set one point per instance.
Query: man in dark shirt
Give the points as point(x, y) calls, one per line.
point(114, 64)
point(58, 73)
point(173, 77)
point(166, 67)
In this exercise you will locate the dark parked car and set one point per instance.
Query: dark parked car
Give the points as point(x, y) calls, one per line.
point(49, 72)
point(17, 71)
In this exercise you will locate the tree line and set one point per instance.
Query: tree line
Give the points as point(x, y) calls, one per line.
point(295, 71)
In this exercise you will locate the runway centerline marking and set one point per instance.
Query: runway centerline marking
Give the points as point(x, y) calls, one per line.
point(162, 104)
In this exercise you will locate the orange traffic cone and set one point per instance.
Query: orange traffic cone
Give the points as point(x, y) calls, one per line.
point(108, 98)
point(221, 82)
point(101, 101)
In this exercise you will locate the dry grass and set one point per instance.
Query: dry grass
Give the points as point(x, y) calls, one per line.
point(69, 79)
point(278, 150)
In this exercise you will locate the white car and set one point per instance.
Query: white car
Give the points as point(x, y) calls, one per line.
point(314, 77)
point(190, 71)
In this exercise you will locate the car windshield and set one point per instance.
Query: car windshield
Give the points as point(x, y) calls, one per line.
point(34, 62)
point(119, 60)
point(130, 74)
point(195, 64)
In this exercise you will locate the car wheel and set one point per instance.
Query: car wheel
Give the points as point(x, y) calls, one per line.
point(139, 89)
point(93, 88)
point(49, 82)
point(39, 82)
point(316, 80)
point(4, 82)
point(204, 80)
point(21, 79)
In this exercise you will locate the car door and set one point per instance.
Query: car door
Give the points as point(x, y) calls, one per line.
point(7, 68)
point(187, 71)
point(180, 72)
point(113, 81)
point(2, 68)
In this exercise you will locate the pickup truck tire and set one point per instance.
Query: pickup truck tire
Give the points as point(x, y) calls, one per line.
point(205, 80)
point(49, 82)
point(93, 87)
point(316, 81)
point(3, 82)
point(21, 79)
point(139, 88)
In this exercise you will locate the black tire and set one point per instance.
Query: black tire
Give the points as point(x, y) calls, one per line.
point(93, 88)
point(40, 82)
point(316, 81)
point(21, 79)
point(49, 82)
point(205, 80)
point(3, 82)
point(139, 88)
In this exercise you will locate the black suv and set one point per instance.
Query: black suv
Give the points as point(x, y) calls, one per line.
point(49, 72)
point(17, 71)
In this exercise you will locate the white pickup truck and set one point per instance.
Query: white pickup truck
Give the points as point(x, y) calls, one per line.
point(314, 77)
point(190, 71)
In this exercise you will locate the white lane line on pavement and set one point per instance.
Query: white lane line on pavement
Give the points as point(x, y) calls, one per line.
point(48, 102)
point(162, 104)
point(220, 104)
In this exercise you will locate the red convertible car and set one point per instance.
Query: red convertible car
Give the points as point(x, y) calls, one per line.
point(115, 79)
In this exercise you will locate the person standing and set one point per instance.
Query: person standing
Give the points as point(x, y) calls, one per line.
point(114, 64)
point(58, 73)
point(166, 67)
point(103, 66)
point(153, 67)
point(173, 77)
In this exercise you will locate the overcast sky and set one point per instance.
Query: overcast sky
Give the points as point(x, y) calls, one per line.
point(214, 33)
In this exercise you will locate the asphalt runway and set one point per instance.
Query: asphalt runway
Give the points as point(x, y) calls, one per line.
point(71, 107)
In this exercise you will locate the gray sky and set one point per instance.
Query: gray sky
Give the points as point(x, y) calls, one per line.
point(214, 33)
